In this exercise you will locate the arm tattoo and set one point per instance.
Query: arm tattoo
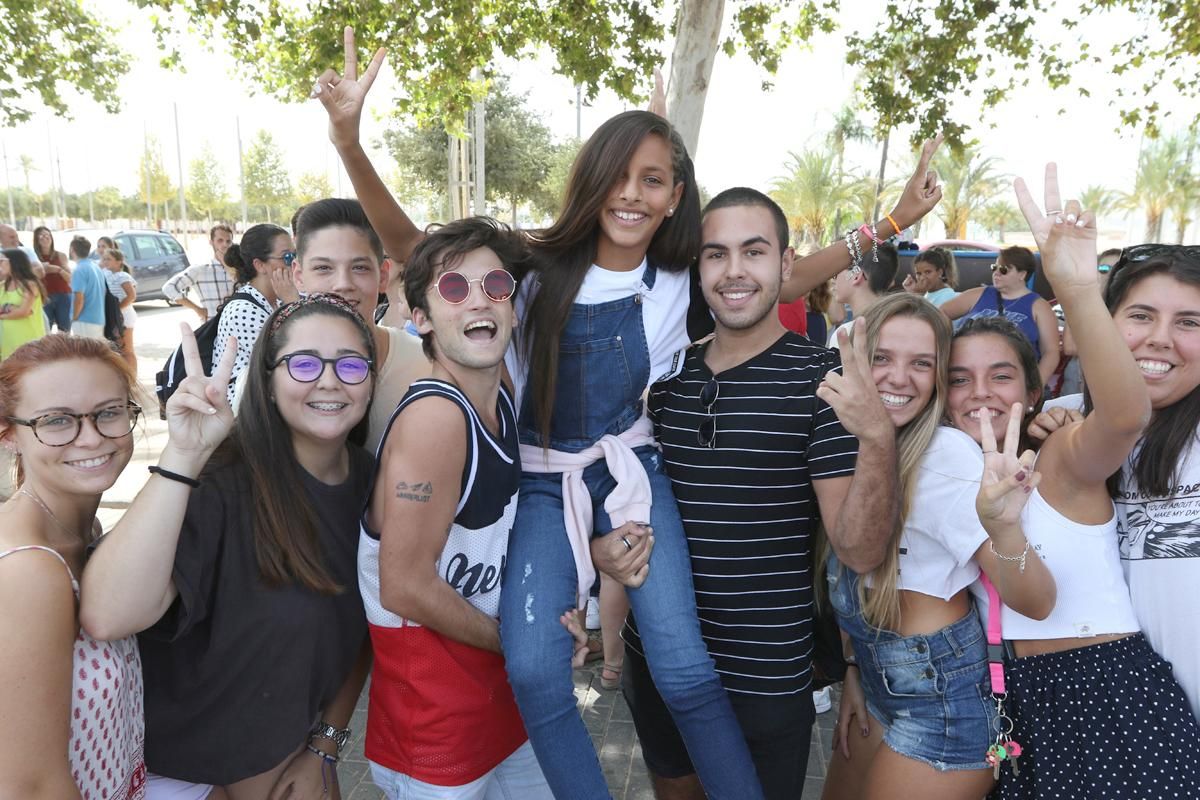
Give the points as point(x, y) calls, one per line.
point(417, 492)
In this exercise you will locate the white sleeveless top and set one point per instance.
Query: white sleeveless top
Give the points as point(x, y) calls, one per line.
point(107, 723)
point(1093, 599)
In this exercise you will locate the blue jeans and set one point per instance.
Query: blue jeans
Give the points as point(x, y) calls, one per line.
point(58, 310)
point(540, 584)
point(932, 691)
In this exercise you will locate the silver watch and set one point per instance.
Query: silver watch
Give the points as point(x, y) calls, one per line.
point(323, 730)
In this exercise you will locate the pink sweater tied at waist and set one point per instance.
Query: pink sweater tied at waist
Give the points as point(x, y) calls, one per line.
point(628, 501)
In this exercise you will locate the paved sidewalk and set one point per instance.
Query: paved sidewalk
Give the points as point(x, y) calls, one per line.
point(607, 719)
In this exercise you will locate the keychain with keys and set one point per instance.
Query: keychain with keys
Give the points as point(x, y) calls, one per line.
point(1004, 748)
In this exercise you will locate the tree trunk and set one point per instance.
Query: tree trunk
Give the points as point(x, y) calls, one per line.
point(887, 136)
point(696, 39)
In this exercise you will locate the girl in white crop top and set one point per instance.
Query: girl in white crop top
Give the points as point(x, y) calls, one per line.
point(1073, 664)
point(73, 705)
point(919, 682)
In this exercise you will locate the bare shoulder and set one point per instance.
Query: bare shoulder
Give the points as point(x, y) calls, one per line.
point(427, 426)
point(38, 585)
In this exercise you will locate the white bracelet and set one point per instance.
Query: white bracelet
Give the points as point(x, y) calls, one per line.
point(1018, 559)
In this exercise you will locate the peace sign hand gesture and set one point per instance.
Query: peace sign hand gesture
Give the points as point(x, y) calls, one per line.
point(344, 96)
point(922, 192)
point(1065, 235)
point(852, 394)
point(1007, 480)
point(198, 414)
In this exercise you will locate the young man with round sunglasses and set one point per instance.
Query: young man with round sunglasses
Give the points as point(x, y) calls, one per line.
point(442, 721)
point(758, 433)
point(337, 251)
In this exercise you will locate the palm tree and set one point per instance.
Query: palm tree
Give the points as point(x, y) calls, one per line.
point(1185, 189)
point(969, 181)
point(26, 164)
point(1161, 184)
point(1097, 198)
point(846, 128)
point(810, 193)
point(1000, 216)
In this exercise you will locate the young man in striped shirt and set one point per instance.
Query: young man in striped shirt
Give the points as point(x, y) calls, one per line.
point(763, 434)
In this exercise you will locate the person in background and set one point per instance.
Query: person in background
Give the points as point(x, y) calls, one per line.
point(21, 301)
point(90, 287)
point(263, 249)
point(864, 285)
point(67, 413)
point(122, 286)
point(820, 302)
point(1009, 296)
point(935, 274)
point(9, 238)
point(57, 279)
point(209, 282)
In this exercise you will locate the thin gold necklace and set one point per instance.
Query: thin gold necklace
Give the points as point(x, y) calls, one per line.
point(41, 504)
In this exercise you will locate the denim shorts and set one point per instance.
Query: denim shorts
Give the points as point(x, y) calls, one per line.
point(932, 691)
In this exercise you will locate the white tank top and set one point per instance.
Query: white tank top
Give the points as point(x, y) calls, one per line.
point(1093, 599)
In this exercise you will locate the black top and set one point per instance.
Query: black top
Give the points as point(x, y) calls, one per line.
point(236, 671)
point(748, 505)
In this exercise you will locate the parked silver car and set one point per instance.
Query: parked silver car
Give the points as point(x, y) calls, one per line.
point(152, 256)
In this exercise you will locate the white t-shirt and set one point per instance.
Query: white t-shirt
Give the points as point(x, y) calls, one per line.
point(942, 531)
point(664, 315)
point(833, 337)
point(1071, 401)
point(1160, 551)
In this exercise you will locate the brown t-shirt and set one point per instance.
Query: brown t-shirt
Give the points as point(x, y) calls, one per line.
point(236, 672)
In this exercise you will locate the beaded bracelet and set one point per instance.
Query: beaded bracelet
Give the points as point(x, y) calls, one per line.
point(326, 761)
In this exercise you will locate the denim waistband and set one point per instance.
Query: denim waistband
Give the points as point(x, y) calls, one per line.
point(955, 640)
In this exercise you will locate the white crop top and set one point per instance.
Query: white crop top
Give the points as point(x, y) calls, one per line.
point(942, 531)
point(1093, 599)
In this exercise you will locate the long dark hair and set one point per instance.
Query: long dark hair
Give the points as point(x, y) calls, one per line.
point(21, 273)
point(1015, 338)
point(48, 254)
point(257, 244)
point(563, 253)
point(1172, 430)
point(286, 542)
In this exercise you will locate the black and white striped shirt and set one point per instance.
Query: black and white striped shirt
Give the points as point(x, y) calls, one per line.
point(748, 505)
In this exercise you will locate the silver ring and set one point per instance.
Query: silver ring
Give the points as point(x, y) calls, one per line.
point(625, 541)
point(1048, 213)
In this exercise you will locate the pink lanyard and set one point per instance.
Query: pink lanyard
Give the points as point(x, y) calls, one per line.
point(994, 639)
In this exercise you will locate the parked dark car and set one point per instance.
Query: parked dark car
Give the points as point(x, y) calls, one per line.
point(152, 256)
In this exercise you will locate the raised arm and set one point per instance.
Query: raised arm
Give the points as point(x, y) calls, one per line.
point(1096, 448)
point(961, 303)
point(128, 583)
point(1019, 575)
point(413, 507)
point(921, 194)
point(861, 513)
point(343, 98)
point(1047, 325)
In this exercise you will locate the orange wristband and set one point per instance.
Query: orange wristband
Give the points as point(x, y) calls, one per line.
point(894, 225)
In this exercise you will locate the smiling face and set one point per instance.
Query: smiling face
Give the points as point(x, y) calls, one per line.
point(741, 266)
point(1159, 317)
point(44, 240)
point(986, 377)
point(324, 410)
point(474, 333)
point(89, 465)
point(904, 367)
point(637, 204)
point(339, 260)
point(109, 262)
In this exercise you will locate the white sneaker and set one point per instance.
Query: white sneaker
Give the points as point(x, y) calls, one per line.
point(593, 614)
point(822, 700)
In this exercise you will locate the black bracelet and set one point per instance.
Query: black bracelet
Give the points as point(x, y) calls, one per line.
point(174, 476)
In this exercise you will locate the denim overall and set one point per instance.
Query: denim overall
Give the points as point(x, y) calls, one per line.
point(931, 692)
point(604, 366)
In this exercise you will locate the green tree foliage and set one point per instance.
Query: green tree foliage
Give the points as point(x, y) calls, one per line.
point(999, 217)
point(519, 151)
point(268, 187)
point(549, 198)
point(48, 45)
point(1162, 168)
point(810, 192)
point(312, 186)
point(1097, 198)
point(206, 183)
point(969, 181)
point(155, 189)
point(108, 202)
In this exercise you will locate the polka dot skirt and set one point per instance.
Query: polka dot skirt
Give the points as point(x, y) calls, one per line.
point(1104, 721)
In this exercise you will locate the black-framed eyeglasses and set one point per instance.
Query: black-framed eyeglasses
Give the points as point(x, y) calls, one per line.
point(288, 257)
point(707, 433)
point(61, 428)
point(307, 367)
point(1003, 269)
